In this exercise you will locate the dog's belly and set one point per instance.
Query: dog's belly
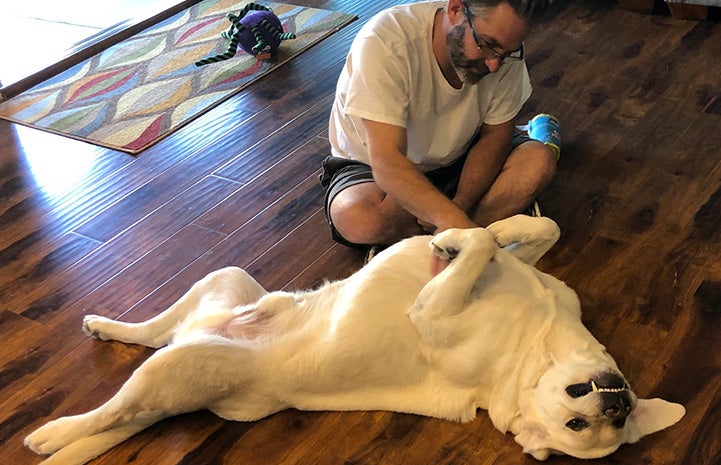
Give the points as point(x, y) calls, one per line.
point(372, 343)
point(363, 337)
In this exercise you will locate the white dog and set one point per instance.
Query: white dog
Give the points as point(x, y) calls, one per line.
point(468, 324)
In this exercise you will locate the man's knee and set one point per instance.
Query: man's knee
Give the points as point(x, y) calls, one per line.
point(355, 218)
point(357, 225)
point(535, 162)
point(364, 215)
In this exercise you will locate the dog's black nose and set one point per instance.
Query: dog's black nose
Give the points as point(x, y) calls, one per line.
point(610, 379)
point(616, 406)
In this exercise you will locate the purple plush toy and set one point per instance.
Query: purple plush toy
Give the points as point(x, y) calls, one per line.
point(256, 29)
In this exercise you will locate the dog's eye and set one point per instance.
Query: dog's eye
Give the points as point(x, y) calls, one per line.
point(577, 424)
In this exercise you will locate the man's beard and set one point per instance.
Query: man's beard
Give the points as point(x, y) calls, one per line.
point(469, 71)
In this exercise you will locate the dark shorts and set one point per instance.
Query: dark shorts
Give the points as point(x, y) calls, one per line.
point(342, 173)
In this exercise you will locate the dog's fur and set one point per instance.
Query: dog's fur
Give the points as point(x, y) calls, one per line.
point(487, 330)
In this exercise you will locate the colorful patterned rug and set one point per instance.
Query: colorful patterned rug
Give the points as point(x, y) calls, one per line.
point(142, 89)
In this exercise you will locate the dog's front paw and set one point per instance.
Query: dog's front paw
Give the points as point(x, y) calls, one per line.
point(448, 244)
point(51, 437)
point(524, 229)
point(93, 326)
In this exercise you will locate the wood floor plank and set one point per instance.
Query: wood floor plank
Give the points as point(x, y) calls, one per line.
point(144, 274)
point(304, 237)
point(336, 263)
point(281, 175)
point(45, 191)
point(285, 140)
point(25, 269)
point(241, 247)
point(63, 288)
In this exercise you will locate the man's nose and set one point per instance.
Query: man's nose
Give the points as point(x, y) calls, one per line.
point(493, 64)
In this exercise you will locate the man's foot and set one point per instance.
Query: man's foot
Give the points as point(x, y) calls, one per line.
point(546, 128)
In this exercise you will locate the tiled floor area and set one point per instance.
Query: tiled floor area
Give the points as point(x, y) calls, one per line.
point(37, 33)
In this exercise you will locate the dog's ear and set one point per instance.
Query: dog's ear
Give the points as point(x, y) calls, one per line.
point(651, 415)
point(534, 442)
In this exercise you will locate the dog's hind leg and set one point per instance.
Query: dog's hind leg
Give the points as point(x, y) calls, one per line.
point(150, 390)
point(527, 238)
point(88, 448)
point(177, 379)
point(225, 288)
point(468, 252)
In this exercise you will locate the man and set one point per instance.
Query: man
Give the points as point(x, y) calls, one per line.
point(422, 131)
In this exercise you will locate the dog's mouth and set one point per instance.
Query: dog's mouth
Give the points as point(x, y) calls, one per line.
point(615, 398)
point(607, 382)
point(596, 388)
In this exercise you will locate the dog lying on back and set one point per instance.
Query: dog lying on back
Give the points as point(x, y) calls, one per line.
point(438, 326)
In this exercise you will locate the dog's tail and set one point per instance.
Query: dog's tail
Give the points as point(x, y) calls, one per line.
point(86, 449)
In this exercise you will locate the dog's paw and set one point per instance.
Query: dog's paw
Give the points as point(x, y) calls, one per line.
point(51, 437)
point(449, 244)
point(524, 229)
point(93, 326)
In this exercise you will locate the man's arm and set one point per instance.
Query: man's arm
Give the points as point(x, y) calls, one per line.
point(483, 164)
point(395, 175)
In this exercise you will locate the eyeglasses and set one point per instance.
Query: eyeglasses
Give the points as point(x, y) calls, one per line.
point(485, 47)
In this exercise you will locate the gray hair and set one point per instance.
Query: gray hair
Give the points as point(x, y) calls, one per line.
point(529, 10)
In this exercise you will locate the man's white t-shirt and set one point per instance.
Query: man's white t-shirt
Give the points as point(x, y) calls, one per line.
point(391, 76)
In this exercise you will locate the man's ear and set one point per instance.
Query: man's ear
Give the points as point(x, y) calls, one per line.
point(651, 415)
point(455, 11)
point(535, 442)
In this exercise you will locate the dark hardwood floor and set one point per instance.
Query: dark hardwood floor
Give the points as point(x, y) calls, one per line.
point(637, 195)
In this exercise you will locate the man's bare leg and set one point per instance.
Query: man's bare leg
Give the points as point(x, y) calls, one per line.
point(528, 170)
point(364, 214)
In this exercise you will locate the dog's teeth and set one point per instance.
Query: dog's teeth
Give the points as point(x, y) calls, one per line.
point(603, 389)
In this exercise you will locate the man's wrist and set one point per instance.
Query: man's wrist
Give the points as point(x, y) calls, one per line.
point(454, 220)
